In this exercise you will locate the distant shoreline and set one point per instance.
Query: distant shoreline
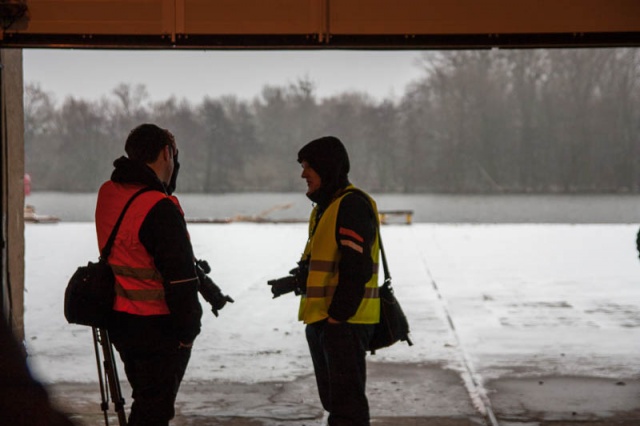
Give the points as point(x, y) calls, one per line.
point(427, 208)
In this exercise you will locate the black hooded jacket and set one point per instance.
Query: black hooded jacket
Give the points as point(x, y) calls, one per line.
point(328, 157)
point(165, 237)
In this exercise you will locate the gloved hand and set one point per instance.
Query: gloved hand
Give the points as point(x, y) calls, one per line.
point(209, 290)
point(296, 281)
point(212, 294)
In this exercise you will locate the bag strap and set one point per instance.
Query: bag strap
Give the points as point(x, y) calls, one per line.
point(385, 265)
point(106, 250)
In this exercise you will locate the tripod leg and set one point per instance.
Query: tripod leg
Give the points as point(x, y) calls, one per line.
point(104, 405)
point(112, 377)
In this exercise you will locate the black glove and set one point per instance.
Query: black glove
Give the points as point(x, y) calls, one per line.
point(212, 294)
point(204, 265)
point(209, 290)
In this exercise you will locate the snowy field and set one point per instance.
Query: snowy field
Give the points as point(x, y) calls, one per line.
point(523, 300)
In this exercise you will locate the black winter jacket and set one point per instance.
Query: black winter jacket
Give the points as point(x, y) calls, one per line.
point(164, 235)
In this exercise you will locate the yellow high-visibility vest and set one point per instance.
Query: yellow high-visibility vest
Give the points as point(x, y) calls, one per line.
point(324, 259)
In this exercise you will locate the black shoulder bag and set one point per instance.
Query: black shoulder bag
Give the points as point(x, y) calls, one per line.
point(393, 325)
point(88, 299)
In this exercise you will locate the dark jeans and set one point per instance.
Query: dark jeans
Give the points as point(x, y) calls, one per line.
point(338, 352)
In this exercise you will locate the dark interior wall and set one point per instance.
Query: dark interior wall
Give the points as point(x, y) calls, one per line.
point(12, 175)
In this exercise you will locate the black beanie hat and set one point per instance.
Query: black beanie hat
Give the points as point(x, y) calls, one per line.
point(329, 158)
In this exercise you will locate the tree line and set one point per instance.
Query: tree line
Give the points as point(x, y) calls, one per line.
point(496, 121)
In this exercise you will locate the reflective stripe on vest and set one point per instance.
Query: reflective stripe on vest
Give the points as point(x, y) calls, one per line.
point(145, 294)
point(139, 286)
point(140, 273)
point(322, 249)
point(369, 293)
point(140, 295)
point(330, 266)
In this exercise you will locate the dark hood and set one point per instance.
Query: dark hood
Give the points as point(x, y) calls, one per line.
point(329, 158)
point(135, 172)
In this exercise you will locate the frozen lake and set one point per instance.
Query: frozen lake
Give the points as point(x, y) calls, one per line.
point(428, 208)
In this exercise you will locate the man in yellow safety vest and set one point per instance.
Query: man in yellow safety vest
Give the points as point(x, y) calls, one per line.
point(340, 304)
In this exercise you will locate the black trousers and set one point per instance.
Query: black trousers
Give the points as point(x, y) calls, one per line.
point(154, 366)
point(155, 379)
point(338, 352)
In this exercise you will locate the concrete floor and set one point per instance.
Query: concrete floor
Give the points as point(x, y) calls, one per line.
point(399, 395)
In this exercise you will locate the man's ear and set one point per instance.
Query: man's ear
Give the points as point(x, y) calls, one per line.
point(166, 152)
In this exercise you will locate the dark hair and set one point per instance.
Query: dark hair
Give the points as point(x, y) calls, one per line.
point(145, 142)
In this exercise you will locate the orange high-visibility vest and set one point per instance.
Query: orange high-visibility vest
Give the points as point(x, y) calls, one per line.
point(139, 288)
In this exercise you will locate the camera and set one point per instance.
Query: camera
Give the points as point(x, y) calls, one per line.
point(209, 290)
point(295, 282)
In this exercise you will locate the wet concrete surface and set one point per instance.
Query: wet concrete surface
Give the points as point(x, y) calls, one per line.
point(399, 395)
point(566, 400)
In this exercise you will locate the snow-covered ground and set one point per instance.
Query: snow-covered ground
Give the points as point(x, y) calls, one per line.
point(499, 300)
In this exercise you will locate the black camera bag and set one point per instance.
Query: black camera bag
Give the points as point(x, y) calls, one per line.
point(393, 325)
point(89, 296)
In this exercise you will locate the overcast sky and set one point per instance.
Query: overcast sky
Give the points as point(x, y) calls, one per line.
point(91, 74)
